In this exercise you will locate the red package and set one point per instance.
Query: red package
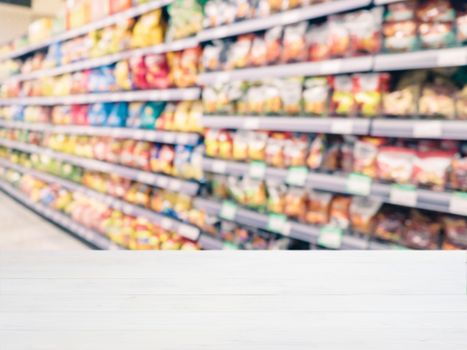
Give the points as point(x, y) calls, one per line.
point(318, 42)
point(365, 30)
point(273, 38)
point(455, 229)
point(139, 70)
point(79, 114)
point(339, 36)
point(421, 231)
point(157, 72)
point(294, 43)
point(368, 91)
point(119, 5)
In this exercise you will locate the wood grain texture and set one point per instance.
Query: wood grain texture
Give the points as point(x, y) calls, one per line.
point(233, 300)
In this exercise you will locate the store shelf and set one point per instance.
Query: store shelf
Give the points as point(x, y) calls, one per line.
point(160, 136)
point(334, 66)
point(210, 243)
point(283, 18)
point(295, 230)
point(427, 129)
point(88, 235)
point(422, 199)
point(355, 126)
point(188, 94)
point(106, 60)
point(188, 231)
point(452, 57)
point(102, 23)
point(385, 2)
point(162, 181)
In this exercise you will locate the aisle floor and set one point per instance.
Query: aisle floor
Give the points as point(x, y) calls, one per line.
point(22, 229)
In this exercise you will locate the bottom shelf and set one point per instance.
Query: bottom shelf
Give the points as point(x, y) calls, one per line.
point(90, 236)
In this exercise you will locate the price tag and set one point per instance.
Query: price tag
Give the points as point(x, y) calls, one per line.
point(342, 127)
point(182, 139)
point(175, 185)
point(330, 237)
point(458, 203)
point(228, 210)
point(145, 178)
point(359, 184)
point(162, 181)
point(453, 57)
point(428, 129)
point(189, 232)
point(404, 195)
point(219, 166)
point(278, 223)
point(168, 138)
point(251, 123)
point(230, 246)
point(330, 67)
point(257, 170)
point(296, 176)
point(166, 223)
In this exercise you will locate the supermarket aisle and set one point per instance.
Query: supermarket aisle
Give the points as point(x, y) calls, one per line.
point(22, 229)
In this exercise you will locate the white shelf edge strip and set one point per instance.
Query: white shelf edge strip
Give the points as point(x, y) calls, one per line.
point(425, 199)
point(283, 18)
point(161, 181)
point(186, 230)
point(105, 60)
point(188, 94)
point(99, 24)
point(90, 236)
point(160, 136)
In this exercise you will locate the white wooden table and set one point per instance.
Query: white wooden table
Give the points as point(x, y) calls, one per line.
point(233, 300)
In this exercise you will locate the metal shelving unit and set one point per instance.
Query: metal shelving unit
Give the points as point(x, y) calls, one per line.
point(161, 181)
point(284, 18)
point(160, 136)
point(86, 234)
point(99, 24)
point(337, 183)
point(105, 60)
point(188, 94)
point(188, 231)
point(332, 125)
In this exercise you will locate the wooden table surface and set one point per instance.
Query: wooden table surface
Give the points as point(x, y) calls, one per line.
point(233, 300)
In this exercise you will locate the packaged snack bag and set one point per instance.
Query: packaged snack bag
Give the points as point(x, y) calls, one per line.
point(342, 100)
point(273, 38)
point(316, 96)
point(339, 214)
point(400, 36)
point(461, 25)
point(294, 43)
point(271, 95)
point(274, 151)
point(455, 229)
point(316, 152)
point(240, 145)
point(431, 168)
point(368, 93)
point(148, 30)
point(167, 117)
point(117, 117)
point(395, 164)
point(363, 212)
point(184, 66)
point(256, 98)
point(461, 103)
point(317, 40)
point(291, 95)
point(150, 113)
point(123, 77)
point(365, 30)
point(295, 203)
point(276, 197)
point(435, 11)
point(458, 174)
point(239, 52)
point(186, 19)
point(98, 113)
point(157, 72)
point(254, 193)
point(257, 146)
point(400, 11)
point(122, 37)
point(403, 99)
point(421, 231)
point(135, 110)
point(214, 56)
point(437, 99)
point(258, 53)
point(365, 156)
point(319, 204)
point(225, 144)
point(390, 223)
point(339, 36)
point(211, 138)
point(141, 155)
point(138, 69)
point(436, 35)
point(295, 151)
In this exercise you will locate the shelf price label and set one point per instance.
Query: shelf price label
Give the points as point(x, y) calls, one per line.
point(403, 195)
point(278, 223)
point(428, 129)
point(330, 237)
point(451, 57)
point(458, 203)
point(219, 166)
point(297, 176)
point(251, 123)
point(257, 170)
point(189, 232)
point(342, 127)
point(359, 184)
point(228, 210)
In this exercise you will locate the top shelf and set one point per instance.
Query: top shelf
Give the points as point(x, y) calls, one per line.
point(102, 23)
point(283, 18)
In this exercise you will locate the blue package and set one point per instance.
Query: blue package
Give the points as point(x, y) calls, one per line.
point(118, 115)
point(99, 113)
point(135, 110)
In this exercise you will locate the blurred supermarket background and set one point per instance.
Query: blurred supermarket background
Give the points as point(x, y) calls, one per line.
point(233, 124)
